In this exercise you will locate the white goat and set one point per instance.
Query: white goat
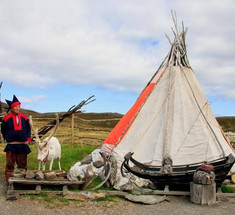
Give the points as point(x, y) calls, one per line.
point(49, 149)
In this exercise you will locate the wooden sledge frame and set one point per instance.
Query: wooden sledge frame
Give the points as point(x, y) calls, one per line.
point(38, 185)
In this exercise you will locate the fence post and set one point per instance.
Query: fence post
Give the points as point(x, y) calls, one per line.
point(72, 129)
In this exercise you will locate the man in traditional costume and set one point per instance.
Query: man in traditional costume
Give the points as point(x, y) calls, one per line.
point(16, 131)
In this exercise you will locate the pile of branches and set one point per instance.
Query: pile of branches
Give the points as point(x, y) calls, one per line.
point(178, 53)
point(74, 109)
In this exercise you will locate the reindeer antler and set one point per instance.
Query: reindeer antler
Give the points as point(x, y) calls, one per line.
point(55, 128)
point(33, 129)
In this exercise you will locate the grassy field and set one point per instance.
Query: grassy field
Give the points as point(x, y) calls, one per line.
point(88, 135)
point(89, 129)
point(69, 156)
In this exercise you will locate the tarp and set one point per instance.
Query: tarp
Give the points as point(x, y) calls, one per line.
point(171, 122)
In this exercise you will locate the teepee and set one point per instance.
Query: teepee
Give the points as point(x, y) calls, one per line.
point(170, 130)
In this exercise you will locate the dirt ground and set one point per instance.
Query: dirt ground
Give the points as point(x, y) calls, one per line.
point(176, 206)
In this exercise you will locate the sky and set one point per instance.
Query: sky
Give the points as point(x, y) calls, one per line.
point(54, 54)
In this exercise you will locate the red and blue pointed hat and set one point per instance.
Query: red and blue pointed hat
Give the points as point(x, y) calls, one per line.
point(13, 103)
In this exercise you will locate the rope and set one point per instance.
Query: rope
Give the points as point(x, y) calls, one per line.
point(194, 96)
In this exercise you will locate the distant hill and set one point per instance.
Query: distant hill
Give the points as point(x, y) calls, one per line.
point(85, 116)
point(226, 122)
point(24, 111)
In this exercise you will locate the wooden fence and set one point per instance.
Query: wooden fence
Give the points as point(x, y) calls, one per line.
point(77, 134)
point(71, 131)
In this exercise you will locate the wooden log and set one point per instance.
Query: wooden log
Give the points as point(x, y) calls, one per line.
point(46, 171)
point(34, 192)
point(43, 182)
point(171, 193)
point(203, 194)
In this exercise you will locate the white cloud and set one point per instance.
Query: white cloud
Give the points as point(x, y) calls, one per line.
point(101, 42)
point(28, 102)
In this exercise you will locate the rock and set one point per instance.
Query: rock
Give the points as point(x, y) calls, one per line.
point(86, 160)
point(233, 178)
point(50, 175)
point(226, 181)
point(19, 170)
point(30, 175)
point(98, 163)
point(12, 196)
point(97, 160)
point(39, 175)
point(62, 174)
point(84, 196)
point(145, 199)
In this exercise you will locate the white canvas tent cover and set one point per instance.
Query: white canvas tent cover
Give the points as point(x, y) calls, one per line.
point(171, 117)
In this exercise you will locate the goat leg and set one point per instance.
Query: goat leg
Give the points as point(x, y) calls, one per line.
point(58, 161)
point(39, 165)
point(51, 164)
point(43, 165)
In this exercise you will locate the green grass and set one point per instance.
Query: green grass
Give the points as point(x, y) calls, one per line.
point(69, 156)
point(226, 189)
point(51, 201)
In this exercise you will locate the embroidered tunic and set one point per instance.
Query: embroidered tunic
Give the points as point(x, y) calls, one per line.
point(16, 131)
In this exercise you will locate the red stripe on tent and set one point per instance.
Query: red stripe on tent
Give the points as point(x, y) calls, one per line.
point(120, 128)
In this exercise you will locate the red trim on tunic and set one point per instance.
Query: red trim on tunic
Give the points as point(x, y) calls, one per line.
point(8, 116)
point(19, 126)
point(25, 117)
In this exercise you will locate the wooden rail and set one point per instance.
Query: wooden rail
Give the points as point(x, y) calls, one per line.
point(75, 129)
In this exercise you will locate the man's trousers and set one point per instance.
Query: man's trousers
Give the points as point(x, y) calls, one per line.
point(11, 159)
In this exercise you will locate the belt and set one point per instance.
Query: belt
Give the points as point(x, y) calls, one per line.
point(17, 143)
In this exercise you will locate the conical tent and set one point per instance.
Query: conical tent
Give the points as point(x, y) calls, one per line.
point(171, 118)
